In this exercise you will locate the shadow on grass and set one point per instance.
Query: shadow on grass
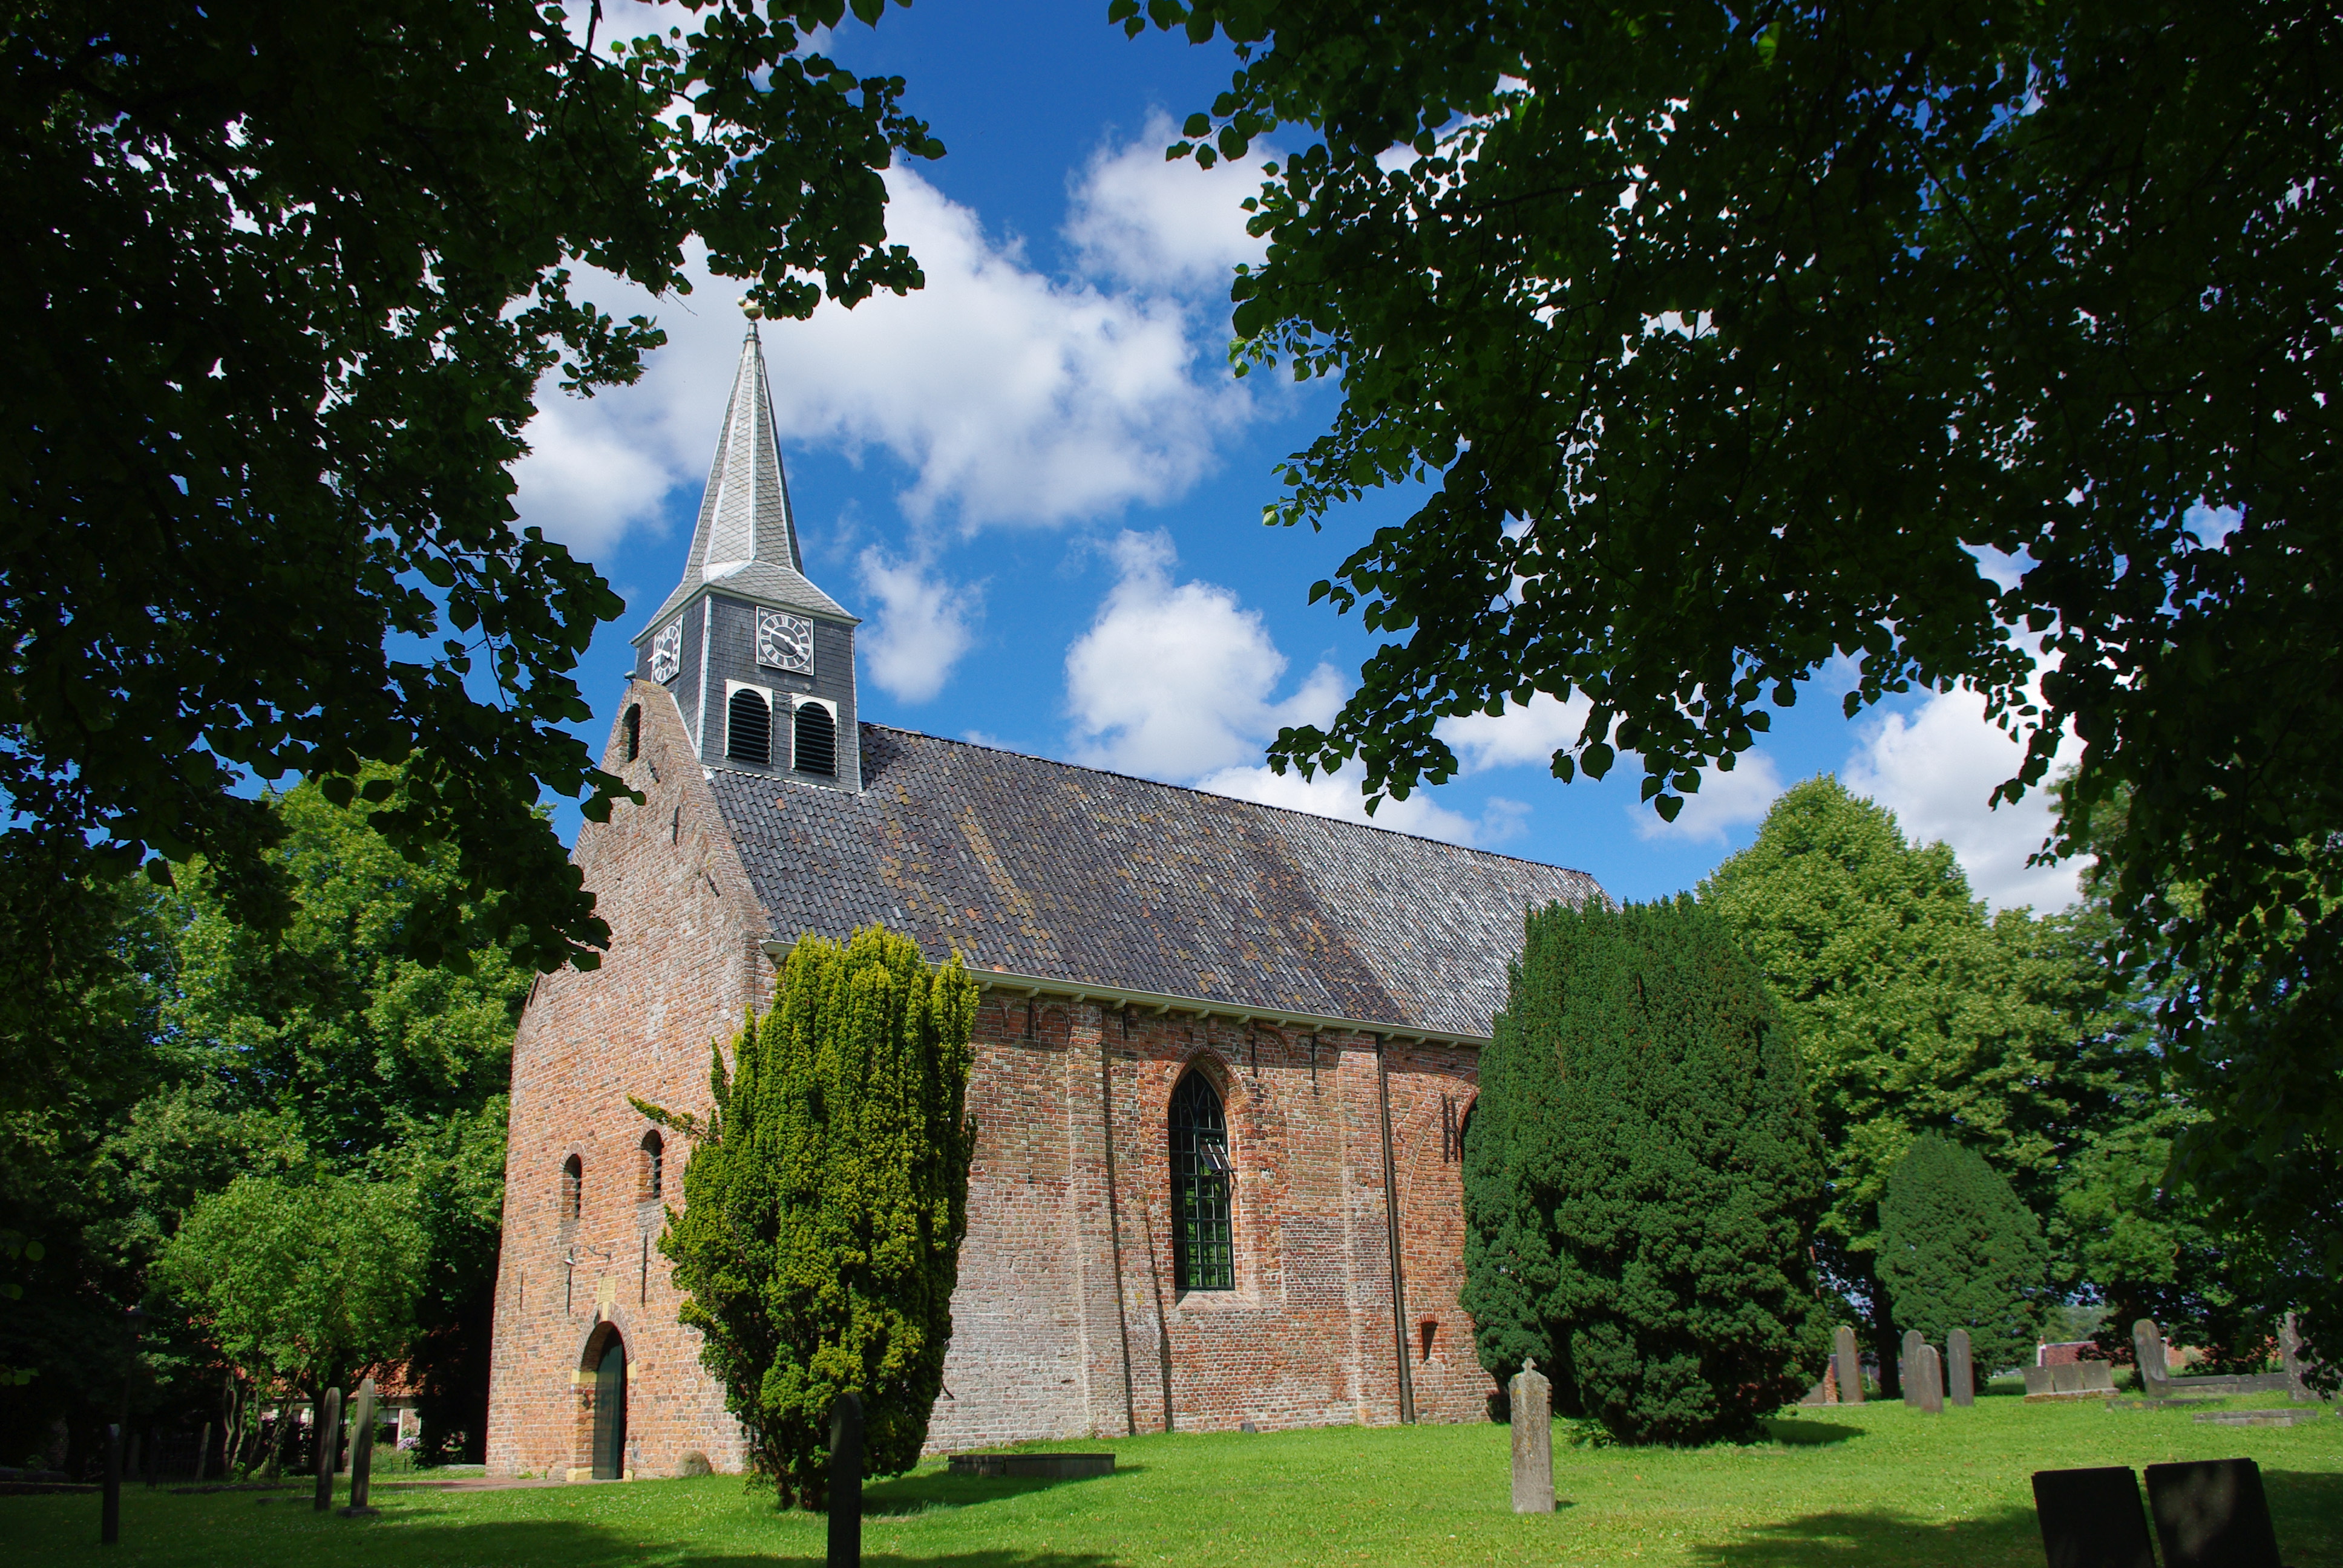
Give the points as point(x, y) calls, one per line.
point(935, 1489)
point(1801, 1431)
point(2303, 1507)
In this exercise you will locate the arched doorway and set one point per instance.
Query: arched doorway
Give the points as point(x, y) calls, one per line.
point(609, 1449)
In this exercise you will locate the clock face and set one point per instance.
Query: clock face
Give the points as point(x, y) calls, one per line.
point(667, 652)
point(785, 641)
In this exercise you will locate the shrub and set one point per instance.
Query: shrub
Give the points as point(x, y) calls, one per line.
point(1643, 1179)
point(1957, 1249)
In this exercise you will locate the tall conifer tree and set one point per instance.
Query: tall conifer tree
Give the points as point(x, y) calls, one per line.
point(1957, 1249)
point(1643, 1177)
point(825, 1202)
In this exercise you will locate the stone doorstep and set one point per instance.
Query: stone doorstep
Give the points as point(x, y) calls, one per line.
point(1034, 1466)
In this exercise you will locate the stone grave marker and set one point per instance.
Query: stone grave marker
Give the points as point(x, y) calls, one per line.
point(1929, 1372)
point(203, 1453)
point(2212, 1514)
point(2092, 1518)
point(1849, 1366)
point(846, 1482)
point(2290, 1350)
point(361, 1452)
point(1909, 1362)
point(1532, 1427)
point(329, 1440)
point(1960, 1369)
point(2148, 1350)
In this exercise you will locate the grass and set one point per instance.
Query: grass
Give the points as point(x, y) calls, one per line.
point(1875, 1485)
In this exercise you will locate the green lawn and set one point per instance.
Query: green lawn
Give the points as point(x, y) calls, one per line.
point(1872, 1485)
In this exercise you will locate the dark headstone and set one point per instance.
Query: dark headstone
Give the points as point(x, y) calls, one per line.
point(329, 1443)
point(109, 1503)
point(2212, 1514)
point(1849, 1366)
point(1960, 1369)
point(2147, 1352)
point(846, 1482)
point(2092, 1518)
point(362, 1453)
point(1532, 1429)
point(1909, 1362)
point(1929, 1372)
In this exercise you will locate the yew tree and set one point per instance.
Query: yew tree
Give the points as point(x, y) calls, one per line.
point(1969, 341)
point(283, 279)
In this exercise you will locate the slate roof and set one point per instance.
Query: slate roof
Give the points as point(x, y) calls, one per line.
point(1044, 868)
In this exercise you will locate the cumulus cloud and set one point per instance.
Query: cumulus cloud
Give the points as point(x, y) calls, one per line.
point(1162, 225)
point(921, 629)
point(1174, 680)
point(1010, 397)
point(1519, 736)
point(1935, 769)
point(1337, 795)
point(1724, 801)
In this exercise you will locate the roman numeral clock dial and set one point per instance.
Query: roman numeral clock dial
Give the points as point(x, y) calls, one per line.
point(785, 642)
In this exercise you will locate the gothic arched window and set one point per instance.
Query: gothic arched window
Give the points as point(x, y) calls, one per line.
point(1204, 1256)
point(749, 732)
point(817, 739)
point(654, 1176)
point(573, 1187)
point(634, 731)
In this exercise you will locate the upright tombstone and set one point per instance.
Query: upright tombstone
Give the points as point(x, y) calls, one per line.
point(2148, 1353)
point(1910, 1364)
point(1533, 1421)
point(1928, 1372)
point(846, 1482)
point(329, 1439)
point(1960, 1370)
point(361, 1452)
point(1850, 1366)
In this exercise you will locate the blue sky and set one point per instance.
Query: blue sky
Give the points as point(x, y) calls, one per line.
point(1039, 487)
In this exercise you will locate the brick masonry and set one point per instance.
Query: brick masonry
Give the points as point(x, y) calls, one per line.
point(1066, 1323)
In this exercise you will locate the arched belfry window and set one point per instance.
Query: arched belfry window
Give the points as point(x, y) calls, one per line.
point(634, 731)
point(573, 1187)
point(817, 740)
point(1203, 1257)
point(654, 1178)
point(748, 727)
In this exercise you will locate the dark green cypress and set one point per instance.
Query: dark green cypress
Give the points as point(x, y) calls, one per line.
point(825, 1202)
point(1959, 1250)
point(1643, 1178)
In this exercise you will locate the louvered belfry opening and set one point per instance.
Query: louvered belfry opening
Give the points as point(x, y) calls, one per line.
point(749, 729)
point(1204, 1256)
point(816, 740)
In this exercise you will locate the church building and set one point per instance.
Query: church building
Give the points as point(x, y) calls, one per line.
point(1223, 1056)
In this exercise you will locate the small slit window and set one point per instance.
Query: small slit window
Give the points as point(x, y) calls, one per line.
point(632, 731)
point(573, 1188)
point(748, 727)
point(1204, 1256)
point(817, 740)
point(654, 1167)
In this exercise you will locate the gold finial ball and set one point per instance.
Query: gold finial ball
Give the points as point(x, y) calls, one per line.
point(751, 309)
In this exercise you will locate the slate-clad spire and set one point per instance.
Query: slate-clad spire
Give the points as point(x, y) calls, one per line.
point(746, 540)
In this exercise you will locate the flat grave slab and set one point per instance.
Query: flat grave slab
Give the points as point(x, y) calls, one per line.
point(1034, 1466)
point(2260, 1417)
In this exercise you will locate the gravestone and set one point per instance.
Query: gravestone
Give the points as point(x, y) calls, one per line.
point(846, 1482)
point(1849, 1366)
point(361, 1452)
point(203, 1453)
point(2212, 1514)
point(2092, 1518)
point(1532, 1427)
point(329, 1440)
point(1929, 1372)
point(1960, 1369)
point(1909, 1362)
point(2147, 1352)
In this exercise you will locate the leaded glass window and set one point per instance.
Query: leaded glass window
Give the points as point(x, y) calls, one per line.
point(1203, 1257)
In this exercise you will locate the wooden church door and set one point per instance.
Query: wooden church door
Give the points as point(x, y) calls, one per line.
point(610, 1413)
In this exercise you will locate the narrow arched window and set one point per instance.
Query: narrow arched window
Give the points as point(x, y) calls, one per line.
point(573, 1188)
point(749, 729)
point(817, 740)
point(654, 1176)
point(1202, 1255)
point(633, 730)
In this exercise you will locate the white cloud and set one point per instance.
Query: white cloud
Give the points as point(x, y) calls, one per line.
point(1935, 769)
point(1013, 397)
point(1337, 795)
point(921, 629)
point(1173, 681)
point(1163, 224)
point(1723, 801)
point(1519, 736)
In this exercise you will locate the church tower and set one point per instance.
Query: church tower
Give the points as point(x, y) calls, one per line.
point(761, 661)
